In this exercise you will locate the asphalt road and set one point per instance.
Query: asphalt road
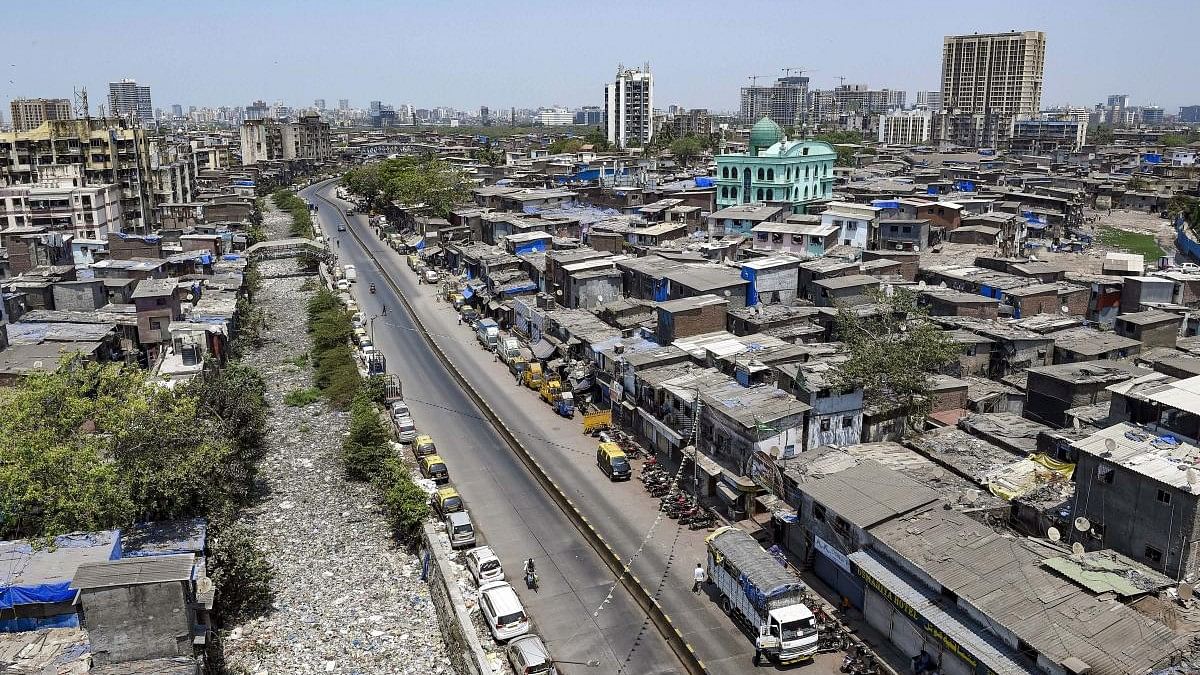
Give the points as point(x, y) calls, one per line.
point(516, 517)
point(622, 512)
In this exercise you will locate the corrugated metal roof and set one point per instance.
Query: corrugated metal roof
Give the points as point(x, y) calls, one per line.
point(133, 571)
point(868, 494)
point(1003, 577)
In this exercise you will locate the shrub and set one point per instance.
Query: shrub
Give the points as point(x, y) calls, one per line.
point(366, 448)
point(241, 574)
point(298, 398)
point(404, 504)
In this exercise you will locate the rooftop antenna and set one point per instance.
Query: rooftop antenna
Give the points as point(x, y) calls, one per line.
point(1077, 548)
point(81, 104)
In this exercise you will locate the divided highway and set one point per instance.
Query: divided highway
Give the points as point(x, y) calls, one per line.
point(517, 518)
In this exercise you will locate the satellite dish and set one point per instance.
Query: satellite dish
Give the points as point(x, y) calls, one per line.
point(1185, 591)
point(921, 284)
point(1083, 524)
point(942, 285)
point(190, 296)
point(1077, 548)
point(1053, 534)
point(1110, 445)
point(916, 249)
point(1066, 310)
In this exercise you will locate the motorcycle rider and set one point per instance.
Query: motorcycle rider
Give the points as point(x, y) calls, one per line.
point(530, 573)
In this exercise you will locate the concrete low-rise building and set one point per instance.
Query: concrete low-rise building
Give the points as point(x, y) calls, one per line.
point(857, 223)
point(85, 211)
point(796, 174)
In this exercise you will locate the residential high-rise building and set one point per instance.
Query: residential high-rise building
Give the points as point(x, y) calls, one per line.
point(906, 127)
point(343, 104)
point(1153, 116)
point(257, 110)
point(1118, 100)
point(988, 80)
point(784, 101)
point(1189, 114)
point(176, 111)
point(694, 122)
point(848, 102)
point(319, 104)
point(484, 118)
point(97, 151)
point(29, 113)
point(267, 140)
point(129, 100)
point(929, 100)
point(629, 107)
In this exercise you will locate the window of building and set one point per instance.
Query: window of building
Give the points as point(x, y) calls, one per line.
point(906, 229)
point(733, 193)
point(804, 151)
point(818, 512)
point(1105, 474)
point(770, 174)
point(805, 173)
point(777, 237)
point(724, 172)
point(1152, 554)
point(760, 173)
point(760, 192)
point(770, 194)
point(847, 422)
point(788, 174)
point(762, 236)
point(1163, 497)
point(724, 193)
point(797, 239)
point(806, 192)
point(825, 424)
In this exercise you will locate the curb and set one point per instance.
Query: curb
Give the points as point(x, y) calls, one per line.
point(654, 611)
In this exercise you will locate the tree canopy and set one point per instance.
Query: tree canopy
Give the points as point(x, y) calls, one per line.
point(93, 446)
point(893, 350)
point(409, 180)
point(687, 149)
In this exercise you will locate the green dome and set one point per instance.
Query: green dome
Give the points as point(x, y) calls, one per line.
point(764, 134)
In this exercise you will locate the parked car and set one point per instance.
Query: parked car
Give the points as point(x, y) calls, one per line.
point(406, 430)
point(423, 445)
point(459, 529)
point(341, 228)
point(400, 411)
point(434, 468)
point(528, 655)
point(484, 565)
point(447, 500)
point(431, 276)
point(343, 285)
point(502, 611)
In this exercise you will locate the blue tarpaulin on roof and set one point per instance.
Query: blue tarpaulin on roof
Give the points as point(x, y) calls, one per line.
point(1152, 158)
point(522, 288)
point(931, 190)
point(1033, 218)
point(18, 558)
point(231, 256)
point(885, 204)
point(964, 185)
point(704, 181)
point(32, 623)
point(535, 246)
point(420, 245)
point(468, 292)
point(206, 259)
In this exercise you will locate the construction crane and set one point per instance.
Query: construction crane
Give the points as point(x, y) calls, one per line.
point(787, 72)
point(754, 79)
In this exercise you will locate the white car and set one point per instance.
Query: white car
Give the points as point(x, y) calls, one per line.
point(502, 611)
point(400, 410)
point(343, 285)
point(484, 565)
point(406, 431)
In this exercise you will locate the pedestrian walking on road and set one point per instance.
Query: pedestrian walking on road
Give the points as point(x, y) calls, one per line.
point(698, 575)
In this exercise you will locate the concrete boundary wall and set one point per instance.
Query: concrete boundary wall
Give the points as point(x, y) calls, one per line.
point(466, 652)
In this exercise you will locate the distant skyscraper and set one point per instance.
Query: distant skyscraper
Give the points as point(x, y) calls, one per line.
point(988, 80)
point(343, 104)
point(29, 113)
point(374, 107)
point(629, 107)
point(783, 102)
point(127, 99)
point(484, 119)
point(1153, 116)
point(1118, 100)
point(929, 100)
point(257, 111)
point(1189, 114)
point(319, 104)
point(997, 73)
point(176, 110)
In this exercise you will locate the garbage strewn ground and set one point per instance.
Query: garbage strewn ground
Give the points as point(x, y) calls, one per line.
point(348, 600)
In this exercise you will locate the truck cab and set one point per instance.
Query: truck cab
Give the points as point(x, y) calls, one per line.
point(796, 629)
point(533, 376)
point(488, 333)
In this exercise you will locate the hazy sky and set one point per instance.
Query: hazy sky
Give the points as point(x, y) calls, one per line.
point(466, 53)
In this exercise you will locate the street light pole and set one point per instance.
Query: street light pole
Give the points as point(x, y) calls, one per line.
point(590, 664)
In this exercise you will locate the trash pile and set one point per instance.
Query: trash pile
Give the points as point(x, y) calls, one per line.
point(347, 599)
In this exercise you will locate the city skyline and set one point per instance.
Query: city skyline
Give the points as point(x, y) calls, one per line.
point(308, 58)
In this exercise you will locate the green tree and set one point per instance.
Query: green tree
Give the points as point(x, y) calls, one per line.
point(423, 180)
point(366, 447)
point(1101, 134)
point(840, 140)
point(241, 574)
point(565, 145)
point(597, 139)
point(405, 505)
point(235, 397)
point(893, 350)
point(686, 149)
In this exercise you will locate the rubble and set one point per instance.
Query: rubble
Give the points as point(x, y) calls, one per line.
point(347, 598)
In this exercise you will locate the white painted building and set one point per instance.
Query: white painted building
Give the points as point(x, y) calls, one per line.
point(906, 127)
point(629, 108)
point(60, 205)
point(855, 222)
point(555, 117)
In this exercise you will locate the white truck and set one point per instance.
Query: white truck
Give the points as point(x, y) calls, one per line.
point(488, 333)
point(351, 274)
point(755, 589)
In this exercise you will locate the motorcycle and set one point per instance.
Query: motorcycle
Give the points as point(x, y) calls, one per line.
point(372, 289)
point(531, 581)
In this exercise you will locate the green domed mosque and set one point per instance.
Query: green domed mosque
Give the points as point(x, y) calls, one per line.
point(776, 170)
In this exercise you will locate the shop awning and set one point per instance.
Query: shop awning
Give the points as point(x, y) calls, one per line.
point(673, 436)
point(542, 349)
point(727, 494)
